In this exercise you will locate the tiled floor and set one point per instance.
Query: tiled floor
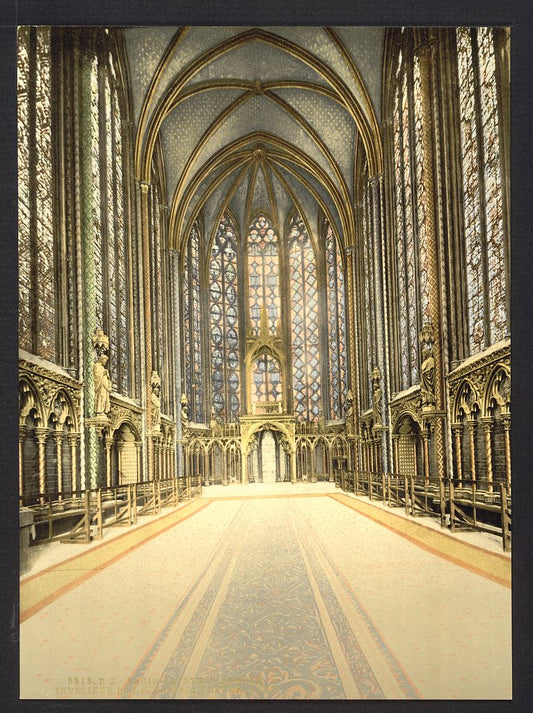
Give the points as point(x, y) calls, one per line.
point(269, 597)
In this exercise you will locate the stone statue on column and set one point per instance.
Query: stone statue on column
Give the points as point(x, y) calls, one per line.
point(376, 396)
point(102, 379)
point(349, 412)
point(427, 368)
point(155, 401)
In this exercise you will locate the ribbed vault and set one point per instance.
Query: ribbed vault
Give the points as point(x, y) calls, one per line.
point(256, 119)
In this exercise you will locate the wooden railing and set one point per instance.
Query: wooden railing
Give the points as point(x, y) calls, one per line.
point(480, 505)
point(80, 516)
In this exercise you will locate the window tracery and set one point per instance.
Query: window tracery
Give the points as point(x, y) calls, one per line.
point(482, 187)
point(224, 322)
point(263, 273)
point(304, 323)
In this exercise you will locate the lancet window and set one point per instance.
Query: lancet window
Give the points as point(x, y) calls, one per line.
point(224, 322)
point(263, 273)
point(483, 224)
point(37, 277)
point(110, 251)
point(305, 333)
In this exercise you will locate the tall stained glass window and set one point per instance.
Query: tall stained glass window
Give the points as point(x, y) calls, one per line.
point(224, 323)
point(482, 187)
point(37, 302)
point(232, 287)
point(410, 219)
point(336, 326)
point(304, 323)
point(263, 273)
point(369, 322)
point(192, 327)
point(110, 244)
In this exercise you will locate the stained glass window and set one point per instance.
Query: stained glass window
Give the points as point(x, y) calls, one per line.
point(336, 323)
point(304, 323)
point(368, 288)
point(482, 187)
point(421, 194)
point(405, 371)
point(110, 244)
point(410, 253)
point(24, 206)
point(96, 202)
point(192, 327)
point(37, 313)
point(471, 191)
point(493, 185)
point(410, 220)
point(266, 379)
point(224, 323)
point(263, 274)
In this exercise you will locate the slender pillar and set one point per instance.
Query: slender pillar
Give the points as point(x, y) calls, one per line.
point(22, 435)
point(292, 461)
point(147, 298)
point(138, 446)
point(457, 429)
point(471, 435)
point(244, 467)
point(353, 341)
point(376, 191)
point(507, 426)
point(488, 424)
point(58, 440)
point(424, 54)
point(108, 440)
point(396, 456)
point(415, 459)
point(87, 236)
point(73, 443)
point(40, 436)
point(426, 456)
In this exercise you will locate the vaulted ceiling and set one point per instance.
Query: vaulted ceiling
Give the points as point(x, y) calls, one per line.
point(257, 119)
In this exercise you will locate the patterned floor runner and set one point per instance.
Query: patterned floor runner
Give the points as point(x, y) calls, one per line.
point(269, 618)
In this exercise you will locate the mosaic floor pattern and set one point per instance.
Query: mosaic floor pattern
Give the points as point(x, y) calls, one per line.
point(271, 598)
point(269, 619)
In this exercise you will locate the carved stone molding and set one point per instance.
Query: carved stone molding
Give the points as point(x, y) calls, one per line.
point(46, 384)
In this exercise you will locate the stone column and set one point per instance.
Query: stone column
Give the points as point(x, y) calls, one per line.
point(244, 465)
point(488, 424)
point(507, 426)
point(22, 434)
point(415, 459)
point(147, 299)
point(292, 461)
point(351, 323)
point(471, 435)
point(87, 234)
point(395, 450)
point(108, 440)
point(138, 446)
point(120, 447)
point(40, 436)
point(426, 456)
point(380, 282)
point(73, 443)
point(425, 55)
point(457, 429)
point(58, 440)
